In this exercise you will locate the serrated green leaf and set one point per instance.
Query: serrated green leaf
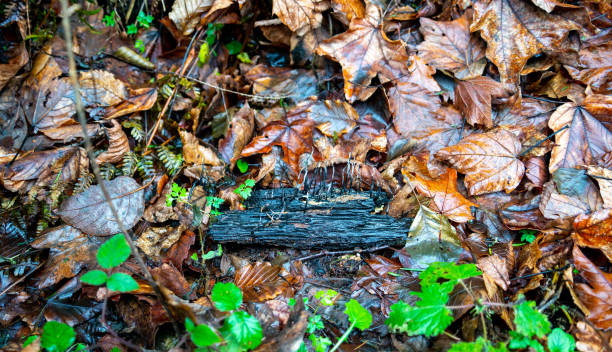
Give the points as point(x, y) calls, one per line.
point(57, 337)
point(358, 315)
point(475, 346)
point(113, 252)
point(243, 329)
point(529, 321)
point(226, 296)
point(203, 335)
point(249, 183)
point(315, 322)
point(560, 341)
point(448, 271)
point(94, 277)
point(132, 29)
point(326, 297)
point(121, 282)
point(320, 343)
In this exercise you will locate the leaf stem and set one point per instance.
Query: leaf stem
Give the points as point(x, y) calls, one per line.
point(343, 337)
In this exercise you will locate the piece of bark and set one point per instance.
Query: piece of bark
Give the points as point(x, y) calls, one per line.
point(288, 218)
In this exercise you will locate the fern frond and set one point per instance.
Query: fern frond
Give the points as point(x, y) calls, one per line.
point(172, 161)
point(85, 180)
point(129, 164)
point(145, 166)
point(108, 171)
point(136, 130)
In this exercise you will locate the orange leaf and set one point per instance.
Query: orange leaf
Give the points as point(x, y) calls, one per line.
point(473, 98)
point(262, 281)
point(596, 293)
point(595, 230)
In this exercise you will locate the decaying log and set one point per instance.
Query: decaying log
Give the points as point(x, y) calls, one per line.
point(289, 218)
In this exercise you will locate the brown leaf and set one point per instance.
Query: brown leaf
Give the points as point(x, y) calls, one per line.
point(118, 145)
point(584, 140)
point(262, 281)
point(443, 189)
point(489, 161)
point(473, 98)
point(496, 268)
point(536, 171)
point(596, 293)
point(604, 179)
point(525, 118)
point(13, 33)
point(298, 84)
point(589, 339)
point(351, 8)
point(180, 250)
point(594, 230)
point(449, 46)
point(186, 14)
point(300, 15)
point(333, 118)
point(156, 239)
point(294, 135)
point(383, 265)
point(593, 67)
point(169, 277)
point(194, 153)
point(365, 51)
point(138, 100)
point(238, 135)
point(516, 30)
point(69, 132)
point(71, 251)
point(523, 214)
point(555, 205)
point(89, 212)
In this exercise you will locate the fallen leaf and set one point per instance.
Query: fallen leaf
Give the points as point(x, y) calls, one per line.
point(89, 212)
point(432, 239)
point(581, 139)
point(473, 98)
point(489, 161)
point(594, 230)
point(118, 145)
point(596, 294)
point(294, 135)
point(446, 199)
point(448, 45)
point(71, 251)
point(516, 30)
point(365, 51)
point(300, 15)
point(194, 153)
point(13, 33)
point(593, 67)
point(238, 135)
point(524, 214)
point(555, 205)
point(154, 240)
point(138, 100)
point(496, 268)
point(186, 14)
point(168, 276)
point(536, 171)
point(295, 84)
point(604, 179)
point(262, 281)
point(333, 118)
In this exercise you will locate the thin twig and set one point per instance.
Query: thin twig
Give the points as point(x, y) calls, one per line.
point(543, 140)
point(351, 251)
point(67, 12)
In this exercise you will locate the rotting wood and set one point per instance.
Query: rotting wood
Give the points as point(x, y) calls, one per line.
point(289, 218)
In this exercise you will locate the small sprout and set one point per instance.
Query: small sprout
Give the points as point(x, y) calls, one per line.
point(246, 189)
point(243, 166)
point(144, 20)
point(244, 58)
point(139, 45)
point(109, 20)
point(132, 29)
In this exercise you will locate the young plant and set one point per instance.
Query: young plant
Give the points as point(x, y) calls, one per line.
point(144, 20)
point(56, 337)
point(215, 203)
point(209, 254)
point(240, 331)
point(112, 253)
point(246, 189)
point(109, 20)
point(177, 193)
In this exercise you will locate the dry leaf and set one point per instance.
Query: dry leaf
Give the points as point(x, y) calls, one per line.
point(300, 15)
point(194, 153)
point(596, 293)
point(489, 161)
point(333, 118)
point(154, 240)
point(118, 145)
point(496, 268)
point(89, 212)
point(238, 135)
point(365, 51)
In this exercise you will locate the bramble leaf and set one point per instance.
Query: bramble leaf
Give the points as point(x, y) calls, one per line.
point(529, 321)
point(57, 337)
point(113, 252)
point(243, 329)
point(203, 335)
point(121, 282)
point(94, 277)
point(560, 341)
point(226, 296)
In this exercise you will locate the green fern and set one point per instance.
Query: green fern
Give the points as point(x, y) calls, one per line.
point(129, 164)
point(145, 166)
point(136, 130)
point(85, 180)
point(108, 171)
point(172, 161)
point(45, 218)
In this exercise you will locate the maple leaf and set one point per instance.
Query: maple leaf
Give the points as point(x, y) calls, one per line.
point(581, 139)
point(489, 161)
point(443, 189)
point(596, 294)
point(300, 15)
point(516, 30)
point(293, 134)
point(365, 51)
point(333, 118)
point(595, 230)
point(473, 98)
point(448, 45)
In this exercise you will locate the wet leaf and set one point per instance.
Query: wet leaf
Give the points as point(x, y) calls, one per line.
point(604, 179)
point(448, 45)
point(118, 145)
point(194, 153)
point(295, 84)
point(516, 30)
point(473, 98)
point(89, 211)
point(594, 230)
point(365, 51)
point(262, 281)
point(333, 118)
point(489, 161)
point(432, 239)
point(186, 14)
point(596, 294)
point(555, 205)
point(238, 135)
point(300, 15)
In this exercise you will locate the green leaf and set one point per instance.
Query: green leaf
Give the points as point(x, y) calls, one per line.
point(57, 337)
point(81, 347)
point(529, 321)
point(139, 44)
point(144, 20)
point(132, 29)
point(358, 315)
point(203, 54)
point(94, 277)
point(121, 282)
point(115, 349)
point(249, 183)
point(203, 335)
point(226, 297)
point(194, 257)
point(315, 322)
point(560, 341)
point(213, 254)
point(244, 58)
point(189, 324)
point(109, 20)
point(113, 252)
point(242, 329)
point(29, 340)
point(326, 297)
point(448, 271)
point(243, 166)
point(320, 343)
point(234, 47)
point(475, 346)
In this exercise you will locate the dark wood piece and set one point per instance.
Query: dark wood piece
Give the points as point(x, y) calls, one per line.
point(288, 218)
